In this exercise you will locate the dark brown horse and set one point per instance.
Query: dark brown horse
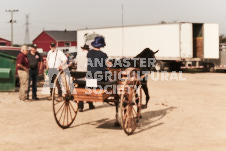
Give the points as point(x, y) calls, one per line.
point(144, 61)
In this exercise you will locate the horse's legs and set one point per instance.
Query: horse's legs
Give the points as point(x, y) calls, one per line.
point(116, 116)
point(145, 88)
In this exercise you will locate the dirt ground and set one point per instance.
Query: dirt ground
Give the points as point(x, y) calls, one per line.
point(184, 115)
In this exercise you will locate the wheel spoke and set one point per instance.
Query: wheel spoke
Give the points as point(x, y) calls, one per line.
point(126, 123)
point(62, 113)
point(72, 107)
point(60, 108)
point(126, 101)
point(137, 98)
point(134, 118)
point(69, 108)
point(133, 111)
point(125, 115)
point(58, 101)
point(124, 108)
point(67, 114)
point(129, 121)
point(134, 125)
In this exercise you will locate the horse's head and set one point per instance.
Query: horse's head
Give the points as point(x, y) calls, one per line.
point(144, 60)
point(148, 56)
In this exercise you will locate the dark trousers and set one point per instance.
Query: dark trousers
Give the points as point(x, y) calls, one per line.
point(52, 73)
point(81, 104)
point(33, 76)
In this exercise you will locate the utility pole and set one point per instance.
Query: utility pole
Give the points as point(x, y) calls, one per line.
point(27, 39)
point(12, 21)
point(122, 30)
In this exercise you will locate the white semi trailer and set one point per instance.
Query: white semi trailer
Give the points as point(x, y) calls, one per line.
point(180, 45)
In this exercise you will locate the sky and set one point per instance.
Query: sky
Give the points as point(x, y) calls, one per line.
point(80, 14)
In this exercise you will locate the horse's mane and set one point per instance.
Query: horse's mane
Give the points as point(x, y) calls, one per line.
point(146, 53)
point(135, 62)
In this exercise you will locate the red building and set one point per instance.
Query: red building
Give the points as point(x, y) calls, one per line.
point(4, 42)
point(61, 38)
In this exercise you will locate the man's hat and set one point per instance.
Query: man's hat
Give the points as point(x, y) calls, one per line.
point(53, 44)
point(34, 46)
point(86, 47)
point(98, 42)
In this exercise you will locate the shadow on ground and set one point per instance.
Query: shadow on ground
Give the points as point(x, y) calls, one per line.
point(149, 120)
point(97, 107)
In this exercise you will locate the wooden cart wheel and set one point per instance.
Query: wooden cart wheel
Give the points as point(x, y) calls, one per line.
point(130, 104)
point(65, 108)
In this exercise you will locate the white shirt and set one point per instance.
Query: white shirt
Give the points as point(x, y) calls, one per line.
point(81, 60)
point(60, 58)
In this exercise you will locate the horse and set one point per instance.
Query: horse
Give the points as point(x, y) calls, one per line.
point(144, 61)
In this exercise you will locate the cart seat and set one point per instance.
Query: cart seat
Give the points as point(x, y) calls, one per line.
point(78, 74)
point(82, 82)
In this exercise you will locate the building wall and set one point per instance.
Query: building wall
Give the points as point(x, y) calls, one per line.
point(62, 43)
point(4, 42)
point(74, 43)
point(43, 41)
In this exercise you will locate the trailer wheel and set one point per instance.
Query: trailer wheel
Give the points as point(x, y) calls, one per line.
point(159, 66)
point(209, 67)
point(212, 68)
point(175, 66)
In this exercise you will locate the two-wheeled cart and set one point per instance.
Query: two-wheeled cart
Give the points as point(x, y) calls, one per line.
point(124, 91)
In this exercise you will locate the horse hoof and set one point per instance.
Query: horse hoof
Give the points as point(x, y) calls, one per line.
point(144, 106)
point(117, 124)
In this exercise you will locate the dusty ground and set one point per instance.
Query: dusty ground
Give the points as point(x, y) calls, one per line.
point(181, 116)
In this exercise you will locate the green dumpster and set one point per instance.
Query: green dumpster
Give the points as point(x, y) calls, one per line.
point(7, 72)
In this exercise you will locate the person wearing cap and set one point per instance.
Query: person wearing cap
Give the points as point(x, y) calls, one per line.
point(81, 61)
point(34, 58)
point(55, 60)
point(22, 68)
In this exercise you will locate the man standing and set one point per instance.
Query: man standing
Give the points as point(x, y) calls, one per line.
point(22, 68)
point(33, 57)
point(55, 60)
point(81, 61)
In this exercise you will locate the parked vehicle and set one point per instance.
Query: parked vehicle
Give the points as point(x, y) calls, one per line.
point(180, 45)
point(12, 51)
point(216, 64)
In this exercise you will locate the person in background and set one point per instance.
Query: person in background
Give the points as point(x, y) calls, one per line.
point(97, 58)
point(81, 61)
point(68, 58)
point(56, 59)
point(22, 68)
point(33, 57)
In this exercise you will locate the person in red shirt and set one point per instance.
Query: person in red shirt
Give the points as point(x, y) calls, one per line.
point(22, 68)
